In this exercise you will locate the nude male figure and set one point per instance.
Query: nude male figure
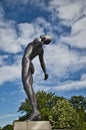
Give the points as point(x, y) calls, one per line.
point(33, 49)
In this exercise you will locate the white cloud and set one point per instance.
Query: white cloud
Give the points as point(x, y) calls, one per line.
point(77, 36)
point(7, 116)
point(26, 30)
point(7, 119)
point(8, 37)
point(60, 63)
point(71, 10)
point(71, 85)
point(83, 76)
point(11, 41)
point(79, 26)
point(9, 73)
point(77, 40)
point(2, 59)
point(72, 13)
point(67, 9)
point(63, 61)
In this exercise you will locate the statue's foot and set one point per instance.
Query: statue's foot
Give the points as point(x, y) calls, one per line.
point(34, 117)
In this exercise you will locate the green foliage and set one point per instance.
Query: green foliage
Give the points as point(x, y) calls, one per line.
point(83, 126)
point(45, 102)
point(63, 115)
point(79, 103)
point(25, 108)
point(61, 112)
point(58, 110)
point(7, 127)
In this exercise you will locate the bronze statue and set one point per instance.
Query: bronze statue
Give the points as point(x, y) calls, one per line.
point(32, 50)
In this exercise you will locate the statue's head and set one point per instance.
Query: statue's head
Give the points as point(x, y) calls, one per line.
point(46, 39)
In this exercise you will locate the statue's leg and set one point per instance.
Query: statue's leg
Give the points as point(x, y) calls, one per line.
point(35, 114)
point(27, 83)
point(31, 83)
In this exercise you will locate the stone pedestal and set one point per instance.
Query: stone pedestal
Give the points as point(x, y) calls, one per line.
point(32, 125)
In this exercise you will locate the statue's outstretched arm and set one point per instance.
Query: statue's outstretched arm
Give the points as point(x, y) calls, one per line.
point(41, 59)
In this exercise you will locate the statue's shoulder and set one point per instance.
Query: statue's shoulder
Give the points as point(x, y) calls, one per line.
point(29, 45)
point(28, 48)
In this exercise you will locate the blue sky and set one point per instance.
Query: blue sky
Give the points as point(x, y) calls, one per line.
point(20, 22)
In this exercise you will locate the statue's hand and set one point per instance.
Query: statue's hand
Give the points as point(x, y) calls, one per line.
point(46, 77)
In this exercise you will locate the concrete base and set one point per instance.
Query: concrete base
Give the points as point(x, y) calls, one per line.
point(32, 125)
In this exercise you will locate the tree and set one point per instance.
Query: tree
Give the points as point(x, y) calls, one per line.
point(63, 115)
point(24, 108)
point(45, 102)
point(8, 127)
point(83, 126)
point(79, 103)
point(61, 112)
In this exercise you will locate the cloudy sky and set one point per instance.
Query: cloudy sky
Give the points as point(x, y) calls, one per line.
point(23, 20)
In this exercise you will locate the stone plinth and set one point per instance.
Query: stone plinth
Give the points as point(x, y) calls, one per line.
point(32, 125)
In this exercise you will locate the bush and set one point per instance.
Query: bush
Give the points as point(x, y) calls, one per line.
point(63, 115)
